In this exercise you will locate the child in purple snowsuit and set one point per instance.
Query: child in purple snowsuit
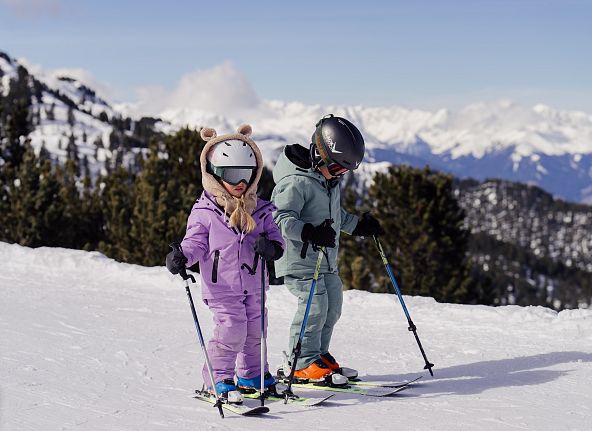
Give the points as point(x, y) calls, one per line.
point(228, 229)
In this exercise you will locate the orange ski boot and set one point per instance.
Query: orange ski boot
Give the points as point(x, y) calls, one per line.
point(332, 363)
point(316, 371)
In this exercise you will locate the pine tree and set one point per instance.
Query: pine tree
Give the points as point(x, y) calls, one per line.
point(71, 220)
point(92, 218)
point(50, 112)
point(425, 240)
point(32, 209)
point(50, 207)
point(116, 196)
point(165, 189)
point(71, 118)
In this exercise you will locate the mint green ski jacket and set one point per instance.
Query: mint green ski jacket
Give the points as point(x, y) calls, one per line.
point(302, 195)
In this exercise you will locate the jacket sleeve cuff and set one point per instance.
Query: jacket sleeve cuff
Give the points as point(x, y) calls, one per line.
point(351, 221)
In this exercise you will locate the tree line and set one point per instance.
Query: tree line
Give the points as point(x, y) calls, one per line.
point(132, 213)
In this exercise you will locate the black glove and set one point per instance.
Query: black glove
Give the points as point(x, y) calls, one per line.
point(368, 226)
point(270, 250)
point(322, 235)
point(175, 261)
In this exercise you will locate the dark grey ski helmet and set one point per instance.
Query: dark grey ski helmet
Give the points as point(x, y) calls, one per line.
point(337, 144)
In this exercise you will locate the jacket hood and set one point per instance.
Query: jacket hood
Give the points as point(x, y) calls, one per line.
point(295, 160)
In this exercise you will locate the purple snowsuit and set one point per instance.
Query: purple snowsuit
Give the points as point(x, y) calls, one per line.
point(230, 290)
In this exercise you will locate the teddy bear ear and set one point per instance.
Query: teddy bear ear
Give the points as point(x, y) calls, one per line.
point(207, 133)
point(245, 130)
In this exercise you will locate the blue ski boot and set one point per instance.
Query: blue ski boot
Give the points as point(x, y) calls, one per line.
point(254, 384)
point(228, 392)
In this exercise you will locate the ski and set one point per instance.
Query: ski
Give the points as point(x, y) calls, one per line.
point(382, 384)
point(300, 401)
point(239, 409)
point(376, 391)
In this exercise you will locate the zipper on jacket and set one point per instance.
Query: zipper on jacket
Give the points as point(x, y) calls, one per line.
point(331, 218)
point(215, 267)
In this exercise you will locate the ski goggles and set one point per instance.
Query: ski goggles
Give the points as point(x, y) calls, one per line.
point(234, 175)
point(335, 169)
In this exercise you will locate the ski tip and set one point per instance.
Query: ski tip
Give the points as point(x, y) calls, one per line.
point(257, 411)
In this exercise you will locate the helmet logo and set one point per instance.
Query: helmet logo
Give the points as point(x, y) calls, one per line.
point(330, 142)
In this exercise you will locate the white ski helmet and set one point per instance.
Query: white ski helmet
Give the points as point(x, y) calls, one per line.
point(232, 161)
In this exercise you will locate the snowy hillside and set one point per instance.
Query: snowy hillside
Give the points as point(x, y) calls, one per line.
point(88, 343)
point(538, 145)
point(68, 116)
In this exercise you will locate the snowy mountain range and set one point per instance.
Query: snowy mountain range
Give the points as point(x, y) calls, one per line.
point(537, 145)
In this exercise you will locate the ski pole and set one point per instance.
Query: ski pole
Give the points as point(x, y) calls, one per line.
point(183, 273)
point(297, 349)
point(263, 339)
point(412, 327)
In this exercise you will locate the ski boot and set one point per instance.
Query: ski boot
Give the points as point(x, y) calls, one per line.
point(251, 386)
point(228, 392)
point(317, 372)
point(330, 361)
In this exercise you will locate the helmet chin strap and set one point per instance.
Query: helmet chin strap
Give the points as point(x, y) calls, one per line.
point(333, 182)
point(314, 161)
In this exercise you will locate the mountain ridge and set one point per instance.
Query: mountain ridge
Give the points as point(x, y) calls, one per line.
point(537, 145)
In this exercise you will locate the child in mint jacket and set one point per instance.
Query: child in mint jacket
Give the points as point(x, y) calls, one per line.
point(309, 213)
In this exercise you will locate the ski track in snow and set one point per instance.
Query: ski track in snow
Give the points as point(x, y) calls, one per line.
point(87, 343)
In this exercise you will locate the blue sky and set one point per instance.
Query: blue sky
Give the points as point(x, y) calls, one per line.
point(425, 54)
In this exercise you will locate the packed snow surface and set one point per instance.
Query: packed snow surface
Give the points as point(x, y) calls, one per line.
point(91, 344)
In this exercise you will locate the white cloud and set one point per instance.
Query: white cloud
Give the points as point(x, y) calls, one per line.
point(32, 9)
point(222, 89)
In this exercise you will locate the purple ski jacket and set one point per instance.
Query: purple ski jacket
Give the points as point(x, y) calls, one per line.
point(226, 256)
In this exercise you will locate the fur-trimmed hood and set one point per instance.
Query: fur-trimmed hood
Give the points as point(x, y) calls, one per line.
point(211, 184)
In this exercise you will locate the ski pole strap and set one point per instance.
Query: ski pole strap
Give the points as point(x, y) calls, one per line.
point(304, 250)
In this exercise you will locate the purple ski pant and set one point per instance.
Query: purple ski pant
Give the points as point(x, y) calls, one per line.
point(236, 343)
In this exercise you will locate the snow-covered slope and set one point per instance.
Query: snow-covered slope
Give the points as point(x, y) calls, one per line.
point(88, 343)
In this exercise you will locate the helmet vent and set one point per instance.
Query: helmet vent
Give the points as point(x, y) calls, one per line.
point(225, 154)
